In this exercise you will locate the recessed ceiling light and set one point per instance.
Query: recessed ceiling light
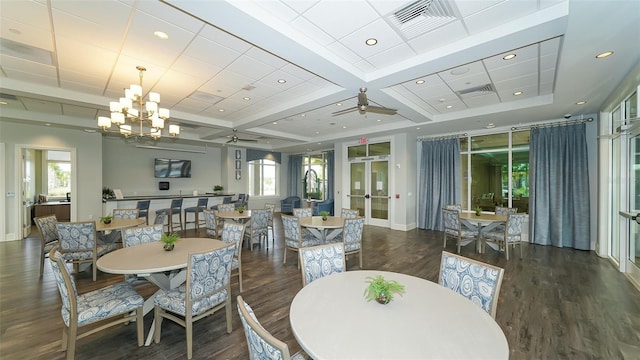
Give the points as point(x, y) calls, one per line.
point(371, 41)
point(417, 128)
point(47, 124)
point(319, 143)
point(338, 104)
point(449, 106)
point(344, 127)
point(459, 71)
point(420, 82)
point(246, 98)
point(317, 132)
point(282, 81)
point(517, 93)
point(509, 57)
point(303, 115)
point(221, 110)
point(3, 103)
point(442, 100)
point(581, 102)
point(490, 126)
point(275, 123)
point(379, 120)
point(161, 35)
point(604, 54)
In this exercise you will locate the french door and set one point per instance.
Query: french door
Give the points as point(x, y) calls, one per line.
point(369, 190)
point(633, 238)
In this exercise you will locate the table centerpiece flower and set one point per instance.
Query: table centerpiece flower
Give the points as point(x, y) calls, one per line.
point(382, 290)
point(240, 209)
point(169, 240)
point(324, 215)
point(106, 219)
point(478, 211)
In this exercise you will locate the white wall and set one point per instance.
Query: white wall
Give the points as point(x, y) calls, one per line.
point(88, 198)
point(130, 169)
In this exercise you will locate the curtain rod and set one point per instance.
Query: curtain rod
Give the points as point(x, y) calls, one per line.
point(427, 138)
point(559, 123)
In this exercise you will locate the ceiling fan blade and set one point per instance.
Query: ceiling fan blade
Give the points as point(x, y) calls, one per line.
point(344, 111)
point(381, 110)
point(230, 141)
point(248, 140)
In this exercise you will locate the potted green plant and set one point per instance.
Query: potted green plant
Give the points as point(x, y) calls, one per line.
point(218, 189)
point(324, 215)
point(106, 219)
point(240, 209)
point(478, 210)
point(169, 240)
point(382, 290)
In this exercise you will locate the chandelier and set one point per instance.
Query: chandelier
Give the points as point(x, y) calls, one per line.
point(149, 117)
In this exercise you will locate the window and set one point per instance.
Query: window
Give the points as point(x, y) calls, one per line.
point(499, 171)
point(58, 173)
point(314, 176)
point(263, 177)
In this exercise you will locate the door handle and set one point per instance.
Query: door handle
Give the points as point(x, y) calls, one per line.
point(367, 196)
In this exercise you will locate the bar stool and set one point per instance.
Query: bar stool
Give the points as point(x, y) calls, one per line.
point(143, 209)
point(196, 210)
point(176, 208)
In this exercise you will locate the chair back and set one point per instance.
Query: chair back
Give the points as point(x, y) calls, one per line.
point(143, 205)
point(477, 281)
point(160, 219)
point(504, 211)
point(176, 205)
point(77, 236)
point(226, 207)
point(66, 286)
point(352, 234)
point(208, 273)
point(260, 219)
point(303, 212)
point(291, 226)
point(349, 213)
point(141, 235)
point(451, 219)
point(226, 200)
point(262, 345)
point(47, 227)
point(125, 213)
point(210, 222)
point(453, 207)
point(320, 261)
point(514, 227)
point(233, 233)
point(272, 209)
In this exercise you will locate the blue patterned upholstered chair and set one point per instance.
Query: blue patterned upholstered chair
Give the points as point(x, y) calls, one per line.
point(326, 205)
point(302, 212)
point(211, 222)
point(258, 227)
point(196, 210)
point(320, 261)
point(119, 302)
point(294, 238)
point(511, 232)
point(288, 204)
point(502, 211)
point(48, 236)
point(143, 209)
point(226, 207)
point(272, 208)
point(233, 234)
point(453, 207)
point(160, 219)
point(141, 235)
point(349, 213)
point(262, 345)
point(206, 291)
point(128, 214)
point(352, 237)
point(464, 232)
point(477, 281)
point(174, 208)
point(78, 243)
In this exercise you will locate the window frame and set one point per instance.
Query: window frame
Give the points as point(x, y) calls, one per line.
point(261, 164)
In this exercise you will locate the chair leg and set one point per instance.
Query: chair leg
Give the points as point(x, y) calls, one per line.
point(444, 245)
point(158, 320)
point(140, 325)
point(95, 269)
point(506, 249)
point(41, 262)
point(459, 240)
point(360, 253)
point(71, 348)
point(228, 311)
point(188, 325)
point(284, 258)
point(240, 277)
point(520, 245)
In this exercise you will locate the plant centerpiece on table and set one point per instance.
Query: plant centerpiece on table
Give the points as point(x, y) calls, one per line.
point(218, 189)
point(382, 290)
point(240, 209)
point(107, 194)
point(106, 219)
point(169, 240)
point(324, 215)
point(478, 210)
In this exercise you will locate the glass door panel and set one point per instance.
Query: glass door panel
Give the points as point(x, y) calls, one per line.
point(379, 190)
point(358, 187)
point(634, 199)
point(616, 183)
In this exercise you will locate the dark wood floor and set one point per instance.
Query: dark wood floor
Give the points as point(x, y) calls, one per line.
point(554, 303)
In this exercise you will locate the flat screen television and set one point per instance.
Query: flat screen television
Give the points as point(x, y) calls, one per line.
point(170, 168)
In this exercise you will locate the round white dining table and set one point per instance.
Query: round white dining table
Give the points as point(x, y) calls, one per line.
point(119, 224)
point(319, 227)
point(331, 319)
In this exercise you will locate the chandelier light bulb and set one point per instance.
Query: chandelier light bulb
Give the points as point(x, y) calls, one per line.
point(136, 91)
point(115, 106)
point(174, 130)
point(163, 113)
point(125, 130)
point(156, 122)
point(117, 118)
point(104, 122)
point(154, 97)
point(152, 107)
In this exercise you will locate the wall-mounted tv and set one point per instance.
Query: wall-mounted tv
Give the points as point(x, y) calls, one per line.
point(169, 168)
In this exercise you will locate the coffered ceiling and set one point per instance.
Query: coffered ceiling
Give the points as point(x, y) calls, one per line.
point(277, 70)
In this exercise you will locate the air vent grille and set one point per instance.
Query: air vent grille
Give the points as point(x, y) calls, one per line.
point(476, 91)
point(422, 16)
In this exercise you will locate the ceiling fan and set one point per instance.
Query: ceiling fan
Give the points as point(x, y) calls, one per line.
point(235, 138)
point(364, 107)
